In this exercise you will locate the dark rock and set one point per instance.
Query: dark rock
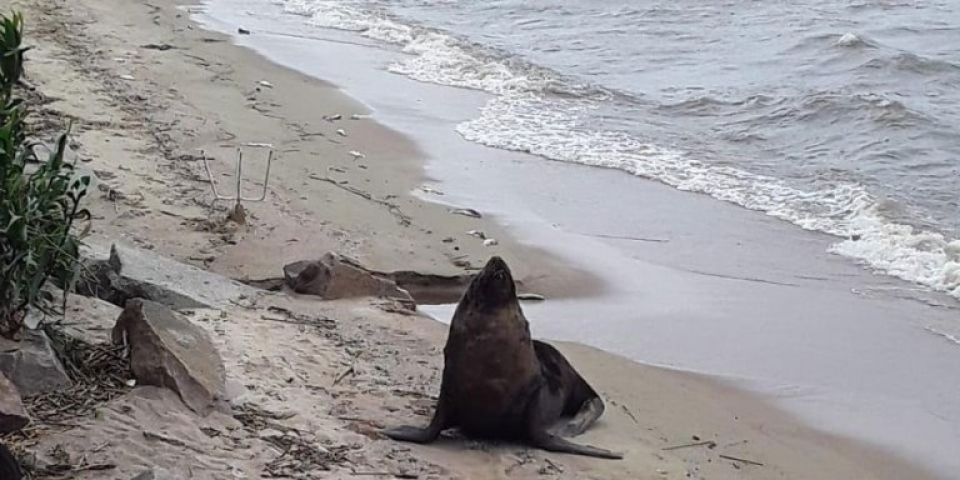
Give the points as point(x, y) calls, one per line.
point(166, 350)
point(243, 31)
point(13, 416)
point(9, 467)
point(31, 364)
point(336, 276)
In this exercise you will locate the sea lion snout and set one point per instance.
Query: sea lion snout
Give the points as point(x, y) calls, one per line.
point(494, 285)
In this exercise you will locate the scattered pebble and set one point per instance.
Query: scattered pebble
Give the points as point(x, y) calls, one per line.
point(341, 132)
point(264, 83)
point(448, 240)
point(476, 233)
point(490, 242)
point(356, 155)
point(127, 77)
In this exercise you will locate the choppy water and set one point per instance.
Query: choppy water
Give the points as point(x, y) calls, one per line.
point(839, 116)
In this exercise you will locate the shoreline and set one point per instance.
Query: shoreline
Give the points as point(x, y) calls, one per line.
point(159, 218)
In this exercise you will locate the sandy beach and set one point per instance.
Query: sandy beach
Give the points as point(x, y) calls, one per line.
point(147, 89)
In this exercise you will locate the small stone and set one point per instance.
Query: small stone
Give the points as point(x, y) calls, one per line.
point(13, 416)
point(31, 364)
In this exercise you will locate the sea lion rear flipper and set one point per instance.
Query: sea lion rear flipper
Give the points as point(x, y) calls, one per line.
point(553, 443)
point(589, 412)
point(544, 410)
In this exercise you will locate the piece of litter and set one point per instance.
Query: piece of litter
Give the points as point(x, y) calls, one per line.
point(490, 242)
point(341, 132)
point(259, 144)
point(333, 118)
point(264, 83)
point(127, 77)
point(432, 191)
point(467, 212)
point(356, 155)
point(131, 383)
point(477, 233)
point(357, 116)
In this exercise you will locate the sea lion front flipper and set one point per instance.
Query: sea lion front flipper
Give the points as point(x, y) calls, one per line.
point(440, 421)
point(407, 433)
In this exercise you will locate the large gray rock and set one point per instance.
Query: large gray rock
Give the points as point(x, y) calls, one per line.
point(127, 272)
point(13, 416)
point(336, 276)
point(166, 350)
point(31, 364)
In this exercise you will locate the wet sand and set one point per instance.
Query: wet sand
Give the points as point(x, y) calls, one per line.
point(142, 113)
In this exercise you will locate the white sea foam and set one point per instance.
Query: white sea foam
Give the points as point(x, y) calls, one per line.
point(523, 116)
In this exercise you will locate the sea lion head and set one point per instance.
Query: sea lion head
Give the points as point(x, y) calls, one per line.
point(492, 289)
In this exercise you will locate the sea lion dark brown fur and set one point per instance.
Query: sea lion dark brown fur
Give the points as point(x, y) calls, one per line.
point(498, 383)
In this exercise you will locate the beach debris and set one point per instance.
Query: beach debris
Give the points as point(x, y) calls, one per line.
point(336, 276)
point(467, 212)
point(741, 460)
point(238, 196)
point(448, 240)
point(258, 144)
point(356, 155)
point(708, 443)
point(490, 242)
point(166, 350)
point(431, 191)
point(341, 132)
point(243, 31)
point(531, 297)
point(127, 77)
point(13, 416)
point(477, 233)
point(158, 46)
point(332, 118)
point(264, 83)
point(32, 364)
point(357, 116)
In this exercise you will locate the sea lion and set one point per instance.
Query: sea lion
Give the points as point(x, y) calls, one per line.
point(498, 383)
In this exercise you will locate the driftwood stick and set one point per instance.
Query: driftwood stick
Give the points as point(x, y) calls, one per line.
point(708, 444)
point(743, 460)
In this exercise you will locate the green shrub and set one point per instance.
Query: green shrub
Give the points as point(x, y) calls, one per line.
point(39, 200)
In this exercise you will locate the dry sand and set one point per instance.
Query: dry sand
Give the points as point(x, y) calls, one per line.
point(140, 116)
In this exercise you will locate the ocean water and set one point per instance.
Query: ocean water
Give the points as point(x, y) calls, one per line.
point(837, 116)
